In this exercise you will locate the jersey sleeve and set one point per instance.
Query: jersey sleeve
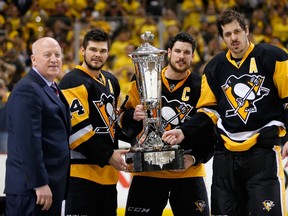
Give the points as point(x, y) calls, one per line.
point(130, 127)
point(280, 79)
point(200, 128)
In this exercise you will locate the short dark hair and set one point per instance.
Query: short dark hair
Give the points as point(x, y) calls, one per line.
point(229, 16)
point(96, 35)
point(182, 37)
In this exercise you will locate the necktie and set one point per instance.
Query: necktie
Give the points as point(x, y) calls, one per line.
point(54, 88)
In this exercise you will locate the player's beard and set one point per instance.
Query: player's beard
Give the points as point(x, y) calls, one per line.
point(178, 70)
point(91, 67)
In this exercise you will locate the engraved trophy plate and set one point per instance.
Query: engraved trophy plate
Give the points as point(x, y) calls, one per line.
point(150, 153)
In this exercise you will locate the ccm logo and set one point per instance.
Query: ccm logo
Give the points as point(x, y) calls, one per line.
point(138, 209)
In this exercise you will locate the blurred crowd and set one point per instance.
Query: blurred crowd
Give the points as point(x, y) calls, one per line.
point(24, 21)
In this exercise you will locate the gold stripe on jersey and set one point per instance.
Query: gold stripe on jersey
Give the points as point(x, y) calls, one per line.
point(81, 136)
point(134, 98)
point(239, 146)
point(110, 86)
point(281, 178)
point(282, 131)
point(78, 114)
point(103, 79)
point(72, 96)
point(207, 98)
point(179, 84)
point(281, 70)
point(192, 171)
point(95, 173)
point(211, 113)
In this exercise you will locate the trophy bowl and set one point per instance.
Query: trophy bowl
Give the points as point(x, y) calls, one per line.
point(150, 153)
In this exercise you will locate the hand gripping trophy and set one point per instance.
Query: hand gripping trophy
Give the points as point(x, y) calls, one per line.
point(151, 153)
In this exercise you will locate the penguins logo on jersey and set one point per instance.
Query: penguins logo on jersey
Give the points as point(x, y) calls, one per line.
point(242, 93)
point(174, 112)
point(105, 107)
point(200, 204)
point(268, 205)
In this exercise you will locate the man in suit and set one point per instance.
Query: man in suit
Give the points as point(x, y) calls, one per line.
point(37, 165)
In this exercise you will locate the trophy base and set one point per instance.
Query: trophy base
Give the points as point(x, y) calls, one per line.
point(155, 160)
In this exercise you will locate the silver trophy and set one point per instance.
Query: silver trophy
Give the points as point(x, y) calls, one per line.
point(150, 153)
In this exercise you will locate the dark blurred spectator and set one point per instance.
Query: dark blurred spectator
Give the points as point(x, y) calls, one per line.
point(258, 18)
point(280, 29)
point(3, 128)
point(89, 14)
point(35, 18)
point(198, 37)
point(75, 7)
point(149, 25)
point(276, 42)
point(192, 12)
point(120, 43)
point(123, 69)
point(23, 5)
point(210, 15)
point(100, 7)
point(115, 15)
point(3, 5)
point(256, 34)
point(210, 32)
point(172, 25)
point(131, 7)
point(222, 5)
point(137, 21)
point(61, 12)
point(12, 67)
point(244, 7)
point(4, 93)
point(154, 8)
point(13, 16)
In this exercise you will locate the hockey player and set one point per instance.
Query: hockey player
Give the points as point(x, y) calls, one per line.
point(185, 189)
point(245, 93)
point(92, 94)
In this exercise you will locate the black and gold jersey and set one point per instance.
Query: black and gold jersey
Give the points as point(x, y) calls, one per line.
point(246, 99)
point(179, 101)
point(93, 104)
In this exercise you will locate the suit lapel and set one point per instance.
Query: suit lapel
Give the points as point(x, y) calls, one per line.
point(61, 102)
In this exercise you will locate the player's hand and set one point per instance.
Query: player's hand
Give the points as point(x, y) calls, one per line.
point(139, 113)
point(117, 160)
point(173, 137)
